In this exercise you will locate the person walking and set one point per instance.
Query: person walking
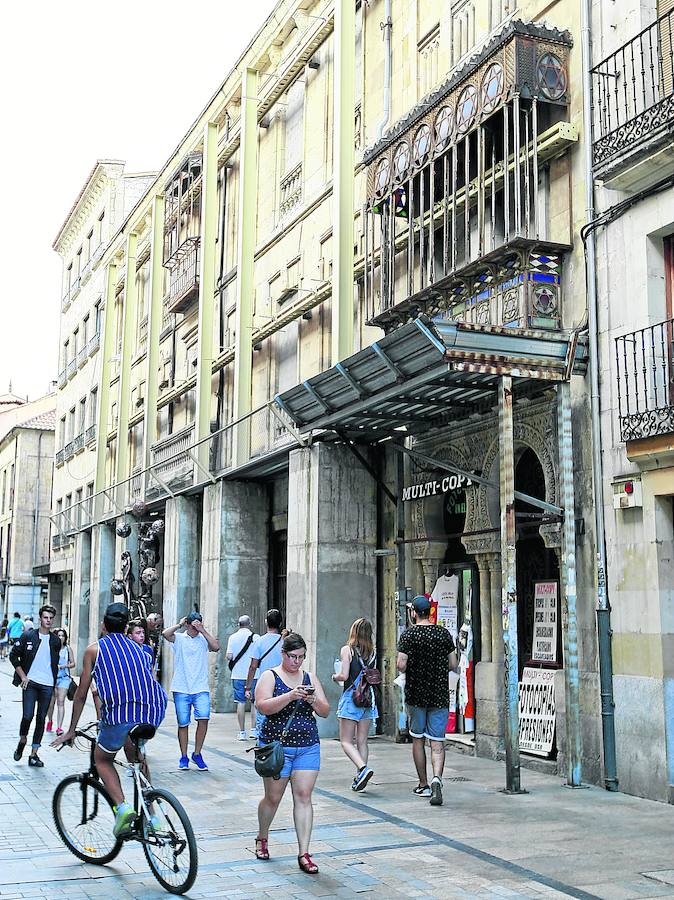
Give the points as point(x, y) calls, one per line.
point(15, 628)
point(426, 654)
point(35, 657)
point(137, 630)
point(354, 721)
point(289, 697)
point(190, 683)
point(239, 653)
point(4, 639)
point(63, 679)
point(28, 624)
point(266, 654)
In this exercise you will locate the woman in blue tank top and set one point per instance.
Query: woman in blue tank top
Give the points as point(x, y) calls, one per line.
point(290, 698)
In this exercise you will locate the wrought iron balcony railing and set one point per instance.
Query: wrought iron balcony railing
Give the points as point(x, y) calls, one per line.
point(82, 357)
point(60, 458)
point(65, 301)
point(62, 378)
point(90, 435)
point(633, 91)
point(94, 343)
point(78, 443)
point(56, 542)
point(645, 369)
point(69, 450)
point(71, 368)
point(184, 277)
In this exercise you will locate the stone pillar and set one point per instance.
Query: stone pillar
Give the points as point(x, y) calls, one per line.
point(234, 568)
point(485, 609)
point(81, 592)
point(332, 528)
point(496, 615)
point(102, 573)
point(182, 553)
point(489, 689)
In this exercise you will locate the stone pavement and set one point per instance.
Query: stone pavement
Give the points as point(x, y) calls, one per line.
point(551, 842)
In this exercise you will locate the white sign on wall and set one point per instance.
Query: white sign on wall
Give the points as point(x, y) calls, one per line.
point(544, 647)
point(537, 711)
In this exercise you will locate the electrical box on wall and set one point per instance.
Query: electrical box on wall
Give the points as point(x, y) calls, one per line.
point(627, 493)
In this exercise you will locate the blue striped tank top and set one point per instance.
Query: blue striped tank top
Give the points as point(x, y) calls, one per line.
point(123, 676)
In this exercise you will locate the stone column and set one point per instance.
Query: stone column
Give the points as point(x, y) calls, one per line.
point(496, 615)
point(102, 573)
point(332, 528)
point(485, 609)
point(489, 691)
point(182, 554)
point(234, 568)
point(81, 591)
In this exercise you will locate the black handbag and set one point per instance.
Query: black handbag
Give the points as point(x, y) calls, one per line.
point(72, 689)
point(269, 758)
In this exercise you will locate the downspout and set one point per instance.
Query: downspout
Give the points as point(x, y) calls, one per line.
point(36, 519)
point(603, 606)
point(386, 27)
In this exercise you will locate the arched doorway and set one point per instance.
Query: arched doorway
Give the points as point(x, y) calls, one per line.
point(535, 561)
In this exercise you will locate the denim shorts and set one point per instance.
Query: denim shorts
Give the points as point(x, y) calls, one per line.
point(239, 688)
point(185, 703)
point(429, 722)
point(347, 709)
point(301, 759)
point(112, 738)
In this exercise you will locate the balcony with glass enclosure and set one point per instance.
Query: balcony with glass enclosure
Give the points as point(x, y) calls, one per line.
point(456, 224)
point(633, 109)
point(182, 230)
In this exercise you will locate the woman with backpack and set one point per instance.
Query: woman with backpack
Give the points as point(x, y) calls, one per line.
point(357, 707)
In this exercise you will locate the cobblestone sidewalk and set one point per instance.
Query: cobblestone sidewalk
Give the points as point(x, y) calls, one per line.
point(551, 842)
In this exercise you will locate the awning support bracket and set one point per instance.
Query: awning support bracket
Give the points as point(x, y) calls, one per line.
point(368, 468)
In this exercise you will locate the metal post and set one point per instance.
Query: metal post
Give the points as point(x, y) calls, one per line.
point(509, 584)
point(568, 578)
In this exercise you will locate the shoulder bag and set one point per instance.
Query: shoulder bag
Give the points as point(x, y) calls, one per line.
point(267, 652)
point(72, 689)
point(363, 692)
point(233, 662)
point(269, 758)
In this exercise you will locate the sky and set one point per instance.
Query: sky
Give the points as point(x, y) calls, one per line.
point(84, 81)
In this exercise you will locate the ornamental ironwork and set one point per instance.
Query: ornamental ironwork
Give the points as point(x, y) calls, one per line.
point(492, 87)
point(442, 127)
point(382, 176)
point(645, 381)
point(401, 161)
point(421, 148)
point(466, 108)
point(551, 76)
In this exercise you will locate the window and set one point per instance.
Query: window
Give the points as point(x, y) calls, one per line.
point(89, 506)
point(62, 432)
point(68, 513)
point(85, 331)
point(4, 490)
point(99, 229)
point(428, 63)
point(89, 246)
point(81, 425)
point(76, 342)
point(59, 515)
point(93, 405)
point(78, 263)
point(78, 508)
point(11, 486)
point(97, 316)
point(69, 278)
point(64, 363)
point(463, 29)
point(294, 130)
point(71, 424)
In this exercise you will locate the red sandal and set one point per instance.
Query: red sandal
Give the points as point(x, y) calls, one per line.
point(261, 848)
point(306, 864)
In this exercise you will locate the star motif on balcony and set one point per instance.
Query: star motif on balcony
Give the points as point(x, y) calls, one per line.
point(492, 87)
point(401, 160)
point(422, 145)
point(381, 176)
point(551, 76)
point(443, 127)
point(466, 108)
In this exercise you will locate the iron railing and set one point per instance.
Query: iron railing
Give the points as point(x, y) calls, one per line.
point(65, 301)
point(94, 343)
point(183, 278)
point(62, 378)
point(632, 90)
point(78, 442)
point(645, 370)
point(60, 458)
point(90, 434)
point(69, 450)
point(56, 542)
point(82, 357)
point(71, 368)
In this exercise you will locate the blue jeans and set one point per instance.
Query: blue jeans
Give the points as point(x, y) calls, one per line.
point(430, 722)
point(39, 694)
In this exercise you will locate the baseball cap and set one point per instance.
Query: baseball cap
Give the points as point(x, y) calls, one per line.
point(117, 612)
point(194, 617)
point(421, 604)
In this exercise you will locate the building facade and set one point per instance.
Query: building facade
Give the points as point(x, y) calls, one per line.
point(26, 465)
point(343, 361)
point(632, 233)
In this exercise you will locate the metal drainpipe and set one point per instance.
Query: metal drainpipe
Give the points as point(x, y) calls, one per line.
point(603, 606)
point(386, 27)
point(36, 520)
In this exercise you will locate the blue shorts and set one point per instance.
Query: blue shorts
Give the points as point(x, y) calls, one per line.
point(112, 738)
point(347, 709)
point(429, 722)
point(63, 681)
point(239, 688)
point(185, 703)
point(301, 759)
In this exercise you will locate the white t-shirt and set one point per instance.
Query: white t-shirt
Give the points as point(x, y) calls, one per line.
point(269, 646)
point(235, 645)
point(190, 667)
point(40, 670)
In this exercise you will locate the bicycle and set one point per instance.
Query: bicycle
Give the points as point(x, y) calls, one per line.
point(84, 818)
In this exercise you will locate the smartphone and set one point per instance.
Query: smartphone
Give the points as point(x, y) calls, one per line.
point(309, 688)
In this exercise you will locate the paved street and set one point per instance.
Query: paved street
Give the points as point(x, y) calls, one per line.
point(552, 842)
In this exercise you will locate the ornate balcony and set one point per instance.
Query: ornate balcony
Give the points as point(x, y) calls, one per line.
point(291, 191)
point(71, 369)
point(184, 277)
point(86, 273)
point(62, 379)
point(633, 109)
point(94, 343)
point(98, 254)
point(645, 371)
point(56, 542)
point(142, 335)
point(82, 357)
point(90, 435)
point(170, 457)
point(78, 443)
point(75, 288)
point(65, 301)
point(455, 224)
point(136, 485)
point(60, 458)
point(69, 451)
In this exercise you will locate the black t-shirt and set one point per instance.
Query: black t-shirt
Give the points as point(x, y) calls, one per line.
point(427, 648)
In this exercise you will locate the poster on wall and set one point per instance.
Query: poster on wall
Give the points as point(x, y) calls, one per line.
point(446, 596)
point(537, 711)
point(544, 647)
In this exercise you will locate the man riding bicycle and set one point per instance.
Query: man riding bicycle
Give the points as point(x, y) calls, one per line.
point(129, 696)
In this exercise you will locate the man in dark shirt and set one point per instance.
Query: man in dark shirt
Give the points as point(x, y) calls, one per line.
point(426, 654)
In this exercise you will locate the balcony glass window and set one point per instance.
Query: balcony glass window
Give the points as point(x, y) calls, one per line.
point(466, 108)
point(444, 122)
point(551, 76)
point(492, 87)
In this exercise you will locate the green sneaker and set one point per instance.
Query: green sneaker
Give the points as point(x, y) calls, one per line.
point(125, 818)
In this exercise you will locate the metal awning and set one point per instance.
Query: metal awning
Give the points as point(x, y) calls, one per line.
point(428, 372)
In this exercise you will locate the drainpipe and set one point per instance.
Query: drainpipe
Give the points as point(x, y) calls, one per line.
point(36, 518)
point(386, 27)
point(603, 606)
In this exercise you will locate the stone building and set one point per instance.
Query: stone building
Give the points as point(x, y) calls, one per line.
point(26, 461)
point(349, 318)
point(632, 235)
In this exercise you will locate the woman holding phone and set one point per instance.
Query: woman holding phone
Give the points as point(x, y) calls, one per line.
point(289, 697)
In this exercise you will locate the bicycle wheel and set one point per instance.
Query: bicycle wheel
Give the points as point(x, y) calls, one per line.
point(84, 819)
point(170, 847)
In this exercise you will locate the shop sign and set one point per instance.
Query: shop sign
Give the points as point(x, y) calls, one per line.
point(544, 647)
point(433, 488)
point(537, 711)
